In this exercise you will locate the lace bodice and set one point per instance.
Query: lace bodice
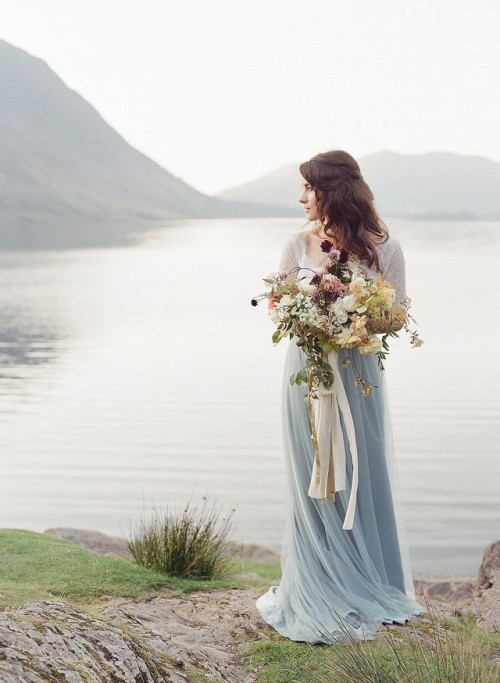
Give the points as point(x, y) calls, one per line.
point(391, 260)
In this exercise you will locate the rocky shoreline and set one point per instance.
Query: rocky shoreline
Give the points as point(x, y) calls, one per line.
point(183, 638)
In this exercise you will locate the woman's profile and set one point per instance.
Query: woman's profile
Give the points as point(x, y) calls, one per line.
point(338, 583)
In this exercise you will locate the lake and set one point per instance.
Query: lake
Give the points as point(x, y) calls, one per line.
point(140, 376)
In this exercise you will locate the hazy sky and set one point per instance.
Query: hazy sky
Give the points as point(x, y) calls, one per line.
point(222, 91)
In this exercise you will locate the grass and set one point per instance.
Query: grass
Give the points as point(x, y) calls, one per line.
point(460, 654)
point(36, 566)
point(192, 544)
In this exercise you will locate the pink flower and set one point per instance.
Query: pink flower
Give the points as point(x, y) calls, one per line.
point(334, 286)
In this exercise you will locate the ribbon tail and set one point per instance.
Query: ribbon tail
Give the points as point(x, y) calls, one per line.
point(322, 484)
point(343, 405)
point(339, 450)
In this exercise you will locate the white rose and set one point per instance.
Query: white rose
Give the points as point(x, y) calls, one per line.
point(286, 300)
point(306, 287)
point(339, 310)
point(349, 302)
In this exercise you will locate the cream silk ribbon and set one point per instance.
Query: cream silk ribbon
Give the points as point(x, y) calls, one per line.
point(329, 469)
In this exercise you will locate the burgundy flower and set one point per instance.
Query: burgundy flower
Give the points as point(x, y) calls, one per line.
point(326, 245)
point(344, 256)
point(316, 279)
point(254, 302)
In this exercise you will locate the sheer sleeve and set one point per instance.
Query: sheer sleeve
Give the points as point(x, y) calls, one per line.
point(289, 256)
point(394, 270)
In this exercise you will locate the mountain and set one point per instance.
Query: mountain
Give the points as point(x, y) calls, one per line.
point(67, 178)
point(281, 187)
point(432, 185)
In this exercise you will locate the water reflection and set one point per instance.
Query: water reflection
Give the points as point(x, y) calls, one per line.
point(33, 328)
point(25, 342)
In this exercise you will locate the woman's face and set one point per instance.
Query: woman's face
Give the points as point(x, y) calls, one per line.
point(308, 200)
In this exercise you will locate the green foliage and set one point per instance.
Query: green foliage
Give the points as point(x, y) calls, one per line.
point(191, 544)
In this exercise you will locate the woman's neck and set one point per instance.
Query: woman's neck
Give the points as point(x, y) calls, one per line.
point(319, 232)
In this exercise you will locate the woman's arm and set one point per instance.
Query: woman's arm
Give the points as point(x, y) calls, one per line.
point(394, 271)
point(289, 257)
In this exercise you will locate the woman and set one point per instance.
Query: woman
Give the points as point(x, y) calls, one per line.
point(340, 584)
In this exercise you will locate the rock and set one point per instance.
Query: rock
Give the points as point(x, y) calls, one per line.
point(206, 627)
point(489, 566)
point(454, 591)
point(49, 641)
point(486, 604)
point(164, 639)
point(92, 540)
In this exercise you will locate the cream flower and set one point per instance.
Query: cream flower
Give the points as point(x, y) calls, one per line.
point(349, 337)
point(358, 287)
point(343, 337)
point(359, 326)
point(373, 346)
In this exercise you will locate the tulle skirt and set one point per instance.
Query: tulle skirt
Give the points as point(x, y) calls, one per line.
point(338, 585)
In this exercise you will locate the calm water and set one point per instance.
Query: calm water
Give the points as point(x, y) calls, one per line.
point(137, 375)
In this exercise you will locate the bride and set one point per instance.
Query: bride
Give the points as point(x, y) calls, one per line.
point(340, 583)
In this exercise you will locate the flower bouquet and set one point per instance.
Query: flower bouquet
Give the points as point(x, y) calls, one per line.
point(339, 306)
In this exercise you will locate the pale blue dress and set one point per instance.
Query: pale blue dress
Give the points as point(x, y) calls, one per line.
point(340, 585)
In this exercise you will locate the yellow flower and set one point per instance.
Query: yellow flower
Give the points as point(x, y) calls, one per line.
point(386, 291)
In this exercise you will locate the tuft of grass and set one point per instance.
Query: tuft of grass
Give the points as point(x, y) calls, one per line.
point(459, 654)
point(452, 658)
point(193, 543)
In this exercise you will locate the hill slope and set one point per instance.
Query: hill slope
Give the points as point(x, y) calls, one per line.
point(433, 185)
point(63, 169)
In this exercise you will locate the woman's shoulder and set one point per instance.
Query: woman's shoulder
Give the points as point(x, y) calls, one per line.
point(389, 247)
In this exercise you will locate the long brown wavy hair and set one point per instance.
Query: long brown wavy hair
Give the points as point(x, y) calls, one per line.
point(345, 204)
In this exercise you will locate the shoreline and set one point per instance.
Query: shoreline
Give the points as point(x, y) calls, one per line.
point(105, 544)
point(179, 635)
point(478, 595)
point(470, 593)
